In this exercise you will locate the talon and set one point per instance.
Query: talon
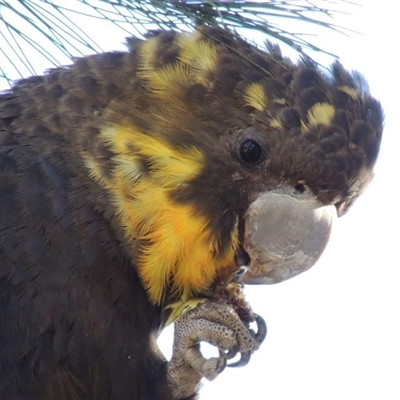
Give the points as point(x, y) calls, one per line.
point(222, 362)
point(220, 325)
point(232, 352)
point(261, 329)
point(244, 359)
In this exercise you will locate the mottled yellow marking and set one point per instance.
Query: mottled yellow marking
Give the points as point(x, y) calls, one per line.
point(196, 59)
point(147, 56)
point(181, 307)
point(320, 114)
point(179, 252)
point(353, 93)
point(94, 168)
point(275, 123)
point(255, 96)
point(188, 38)
point(170, 80)
point(352, 146)
point(201, 56)
point(279, 100)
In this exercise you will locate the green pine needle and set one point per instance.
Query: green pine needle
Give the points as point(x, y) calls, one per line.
point(38, 34)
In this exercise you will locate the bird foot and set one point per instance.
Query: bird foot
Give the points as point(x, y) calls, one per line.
point(215, 323)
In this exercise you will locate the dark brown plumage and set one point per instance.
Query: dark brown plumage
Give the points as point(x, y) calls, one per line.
point(79, 313)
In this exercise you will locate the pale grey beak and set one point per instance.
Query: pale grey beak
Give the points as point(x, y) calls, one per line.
point(285, 234)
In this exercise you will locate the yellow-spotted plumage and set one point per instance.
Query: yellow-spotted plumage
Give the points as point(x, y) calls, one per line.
point(254, 95)
point(166, 145)
point(196, 59)
point(319, 114)
point(177, 249)
point(129, 186)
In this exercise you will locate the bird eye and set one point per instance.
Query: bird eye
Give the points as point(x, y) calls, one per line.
point(250, 152)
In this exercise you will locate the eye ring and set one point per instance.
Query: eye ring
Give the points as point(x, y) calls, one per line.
point(250, 152)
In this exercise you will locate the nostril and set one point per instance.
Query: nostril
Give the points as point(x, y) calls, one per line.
point(299, 188)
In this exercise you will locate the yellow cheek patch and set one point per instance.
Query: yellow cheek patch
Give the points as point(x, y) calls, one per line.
point(255, 96)
point(178, 252)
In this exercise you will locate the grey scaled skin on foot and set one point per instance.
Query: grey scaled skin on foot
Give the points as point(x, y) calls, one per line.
point(220, 325)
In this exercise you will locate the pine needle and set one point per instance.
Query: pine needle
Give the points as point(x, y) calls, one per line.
point(39, 34)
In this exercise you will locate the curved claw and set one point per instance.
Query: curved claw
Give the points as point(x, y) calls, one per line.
point(232, 352)
point(244, 359)
point(259, 337)
point(261, 329)
point(222, 361)
point(213, 322)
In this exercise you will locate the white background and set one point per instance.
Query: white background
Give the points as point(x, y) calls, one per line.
point(334, 331)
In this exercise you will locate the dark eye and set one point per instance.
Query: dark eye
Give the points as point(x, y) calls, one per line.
point(250, 151)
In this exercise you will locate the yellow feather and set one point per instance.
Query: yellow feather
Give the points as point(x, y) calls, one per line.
point(275, 123)
point(201, 56)
point(181, 307)
point(353, 93)
point(179, 250)
point(170, 80)
point(188, 39)
point(147, 57)
point(279, 100)
point(320, 114)
point(255, 96)
point(95, 169)
point(196, 59)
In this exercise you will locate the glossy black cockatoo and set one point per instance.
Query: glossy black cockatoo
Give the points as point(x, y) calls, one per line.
point(137, 187)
